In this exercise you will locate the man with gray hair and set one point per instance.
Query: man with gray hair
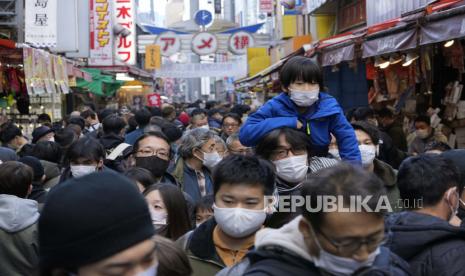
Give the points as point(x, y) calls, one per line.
point(235, 147)
point(197, 154)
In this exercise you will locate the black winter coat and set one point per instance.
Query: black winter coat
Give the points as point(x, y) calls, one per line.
point(431, 245)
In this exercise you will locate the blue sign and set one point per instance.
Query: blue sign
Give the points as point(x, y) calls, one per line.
point(203, 17)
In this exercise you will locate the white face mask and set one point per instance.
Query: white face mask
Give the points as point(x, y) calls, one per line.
point(239, 222)
point(292, 169)
point(335, 153)
point(422, 133)
point(159, 218)
point(368, 153)
point(210, 160)
point(336, 265)
point(82, 170)
point(304, 98)
point(207, 127)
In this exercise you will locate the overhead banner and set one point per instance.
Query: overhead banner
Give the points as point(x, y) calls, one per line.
point(401, 41)
point(338, 55)
point(266, 6)
point(198, 70)
point(41, 23)
point(125, 43)
point(101, 33)
point(442, 30)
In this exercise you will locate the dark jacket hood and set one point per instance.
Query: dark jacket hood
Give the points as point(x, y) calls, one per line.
point(110, 141)
point(410, 233)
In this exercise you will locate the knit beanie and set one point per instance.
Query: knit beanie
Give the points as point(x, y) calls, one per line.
point(88, 219)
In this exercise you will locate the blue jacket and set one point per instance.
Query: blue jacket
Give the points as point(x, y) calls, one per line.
point(132, 137)
point(322, 118)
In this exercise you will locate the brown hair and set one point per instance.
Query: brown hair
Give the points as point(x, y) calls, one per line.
point(172, 260)
point(16, 178)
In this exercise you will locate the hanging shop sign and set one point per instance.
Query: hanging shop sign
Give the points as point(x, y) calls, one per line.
point(169, 43)
point(154, 99)
point(442, 30)
point(41, 23)
point(338, 55)
point(101, 33)
point(401, 41)
point(125, 44)
point(266, 6)
point(198, 70)
point(240, 41)
point(152, 57)
point(204, 44)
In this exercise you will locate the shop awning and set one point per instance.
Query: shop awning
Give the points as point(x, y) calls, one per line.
point(443, 26)
point(101, 85)
point(336, 55)
point(395, 42)
point(73, 71)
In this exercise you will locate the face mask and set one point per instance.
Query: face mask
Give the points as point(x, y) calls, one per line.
point(158, 217)
point(210, 160)
point(335, 153)
point(52, 139)
point(151, 271)
point(368, 153)
point(155, 165)
point(207, 127)
point(422, 133)
point(292, 169)
point(239, 222)
point(336, 265)
point(304, 98)
point(82, 170)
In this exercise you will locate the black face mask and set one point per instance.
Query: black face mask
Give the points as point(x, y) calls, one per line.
point(154, 164)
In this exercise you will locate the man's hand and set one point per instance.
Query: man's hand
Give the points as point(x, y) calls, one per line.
point(299, 124)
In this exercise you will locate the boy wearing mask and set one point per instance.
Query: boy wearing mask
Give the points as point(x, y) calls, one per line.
point(241, 184)
point(304, 107)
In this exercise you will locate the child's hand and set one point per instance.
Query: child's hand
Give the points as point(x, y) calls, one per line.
point(299, 124)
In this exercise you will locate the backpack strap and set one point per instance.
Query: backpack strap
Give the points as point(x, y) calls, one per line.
point(118, 151)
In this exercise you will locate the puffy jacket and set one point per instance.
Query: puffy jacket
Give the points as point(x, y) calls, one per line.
point(323, 118)
point(18, 236)
point(284, 252)
point(431, 245)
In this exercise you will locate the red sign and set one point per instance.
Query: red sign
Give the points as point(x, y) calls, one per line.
point(154, 99)
point(266, 6)
point(169, 42)
point(204, 44)
point(240, 41)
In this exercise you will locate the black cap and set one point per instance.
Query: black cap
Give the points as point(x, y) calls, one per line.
point(35, 164)
point(40, 132)
point(91, 218)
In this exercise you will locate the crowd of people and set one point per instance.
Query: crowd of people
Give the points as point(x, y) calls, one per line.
point(199, 189)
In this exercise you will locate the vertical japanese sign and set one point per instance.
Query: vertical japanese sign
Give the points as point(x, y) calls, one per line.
point(125, 46)
point(41, 23)
point(101, 33)
point(152, 57)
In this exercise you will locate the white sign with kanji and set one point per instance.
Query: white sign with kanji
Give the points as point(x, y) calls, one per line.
point(204, 44)
point(41, 23)
point(125, 47)
point(240, 41)
point(169, 42)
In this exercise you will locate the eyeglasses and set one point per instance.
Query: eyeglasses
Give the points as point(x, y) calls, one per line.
point(147, 152)
point(349, 247)
point(230, 125)
point(284, 153)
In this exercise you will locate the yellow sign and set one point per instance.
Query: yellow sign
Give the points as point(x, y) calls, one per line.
point(152, 57)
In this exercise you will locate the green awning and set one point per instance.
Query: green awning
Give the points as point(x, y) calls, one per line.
point(101, 85)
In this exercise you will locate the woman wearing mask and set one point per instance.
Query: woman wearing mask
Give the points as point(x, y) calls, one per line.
point(168, 210)
point(368, 140)
point(197, 155)
point(290, 152)
point(83, 157)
